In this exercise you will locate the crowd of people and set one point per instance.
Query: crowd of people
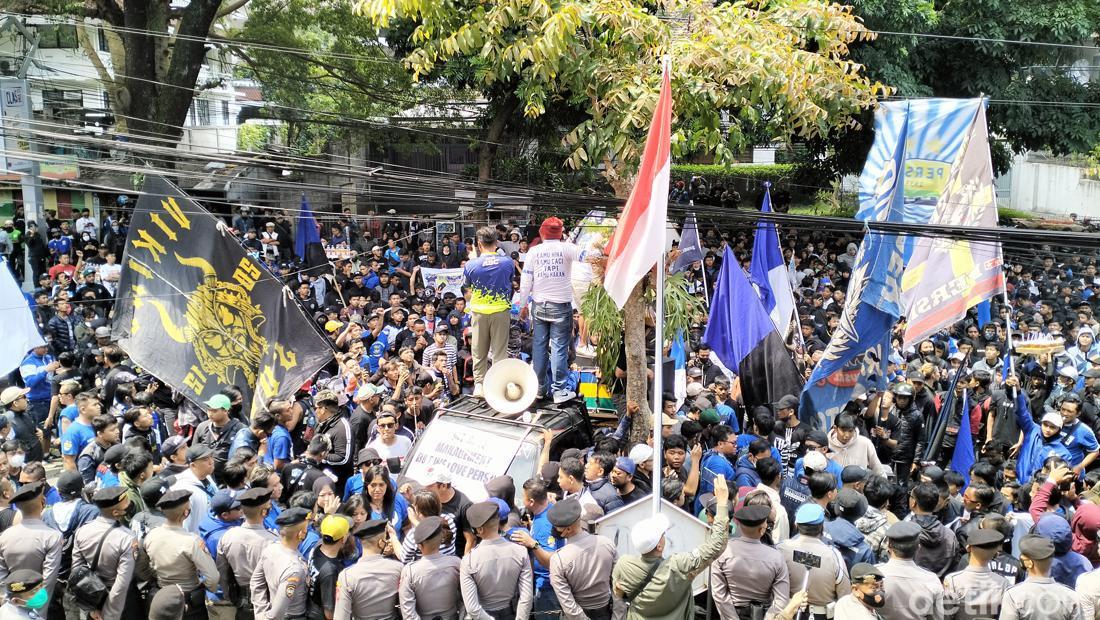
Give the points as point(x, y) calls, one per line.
point(167, 508)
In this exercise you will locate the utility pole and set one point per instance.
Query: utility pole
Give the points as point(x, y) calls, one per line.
point(16, 118)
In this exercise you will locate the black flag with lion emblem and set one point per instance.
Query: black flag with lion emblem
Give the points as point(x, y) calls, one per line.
point(200, 314)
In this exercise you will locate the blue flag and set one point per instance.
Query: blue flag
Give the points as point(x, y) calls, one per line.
point(740, 332)
point(963, 458)
point(769, 272)
point(691, 249)
point(679, 358)
point(307, 230)
point(20, 329)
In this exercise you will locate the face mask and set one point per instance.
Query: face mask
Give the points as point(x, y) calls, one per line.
point(39, 600)
point(875, 599)
point(17, 460)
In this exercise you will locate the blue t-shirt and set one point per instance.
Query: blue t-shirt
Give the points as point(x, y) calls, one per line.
point(269, 520)
point(490, 279)
point(1079, 440)
point(76, 437)
point(279, 446)
point(70, 413)
point(543, 533)
point(400, 513)
point(243, 438)
point(743, 442)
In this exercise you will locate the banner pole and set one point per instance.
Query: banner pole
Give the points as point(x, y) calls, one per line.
point(1008, 335)
point(658, 367)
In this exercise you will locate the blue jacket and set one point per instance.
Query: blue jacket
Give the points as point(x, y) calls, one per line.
point(832, 467)
point(35, 377)
point(1067, 565)
point(712, 464)
point(1035, 448)
point(211, 529)
point(746, 475)
point(847, 538)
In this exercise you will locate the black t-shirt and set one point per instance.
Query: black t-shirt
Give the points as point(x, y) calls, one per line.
point(636, 494)
point(323, 572)
point(457, 509)
point(890, 425)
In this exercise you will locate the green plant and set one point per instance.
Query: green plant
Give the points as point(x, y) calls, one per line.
point(604, 321)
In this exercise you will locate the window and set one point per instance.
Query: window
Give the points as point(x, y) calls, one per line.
point(102, 39)
point(202, 107)
point(56, 36)
point(225, 113)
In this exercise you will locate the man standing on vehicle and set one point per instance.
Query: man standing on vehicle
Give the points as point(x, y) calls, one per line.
point(546, 280)
point(489, 277)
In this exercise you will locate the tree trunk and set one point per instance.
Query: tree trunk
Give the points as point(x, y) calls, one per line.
point(637, 384)
point(487, 151)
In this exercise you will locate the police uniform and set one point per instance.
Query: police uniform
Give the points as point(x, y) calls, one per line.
point(495, 577)
point(118, 557)
point(912, 593)
point(851, 607)
point(280, 584)
point(1039, 597)
point(580, 572)
point(181, 558)
point(31, 544)
point(430, 585)
point(975, 593)
point(368, 589)
point(239, 552)
point(20, 583)
point(828, 580)
point(749, 574)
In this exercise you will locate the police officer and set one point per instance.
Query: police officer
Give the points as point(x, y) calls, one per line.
point(975, 592)
point(815, 563)
point(368, 589)
point(866, 597)
point(580, 572)
point(240, 548)
point(31, 544)
point(26, 595)
point(179, 557)
point(750, 577)
point(912, 593)
point(496, 577)
point(430, 585)
point(278, 585)
point(118, 548)
point(1039, 596)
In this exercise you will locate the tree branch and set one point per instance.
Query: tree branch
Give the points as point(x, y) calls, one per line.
point(229, 8)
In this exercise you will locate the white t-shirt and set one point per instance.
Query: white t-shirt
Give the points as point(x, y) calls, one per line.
point(106, 270)
point(400, 447)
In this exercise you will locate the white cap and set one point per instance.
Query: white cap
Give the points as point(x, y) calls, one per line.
point(815, 460)
point(640, 453)
point(1054, 418)
point(1069, 371)
point(648, 532)
point(694, 389)
point(11, 394)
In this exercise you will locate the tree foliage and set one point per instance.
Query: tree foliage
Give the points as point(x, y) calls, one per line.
point(780, 66)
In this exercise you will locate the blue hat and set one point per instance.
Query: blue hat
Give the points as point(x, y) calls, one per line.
point(809, 514)
point(502, 507)
point(624, 463)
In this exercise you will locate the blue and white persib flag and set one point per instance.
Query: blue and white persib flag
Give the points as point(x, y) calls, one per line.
point(769, 273)
point(20, 329)
point(679, 359)
point(963, 458)
point(691, 249)
point(862, 338)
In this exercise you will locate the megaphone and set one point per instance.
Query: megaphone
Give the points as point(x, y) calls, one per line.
point(510, 386)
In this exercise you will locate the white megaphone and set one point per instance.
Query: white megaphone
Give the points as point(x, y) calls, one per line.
point(510, 386)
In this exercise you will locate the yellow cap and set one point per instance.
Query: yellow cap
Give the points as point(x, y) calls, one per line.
point(332, 326)
point(335, 527)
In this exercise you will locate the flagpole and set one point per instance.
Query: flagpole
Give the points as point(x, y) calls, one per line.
point(1008, 335)
point(658, 366)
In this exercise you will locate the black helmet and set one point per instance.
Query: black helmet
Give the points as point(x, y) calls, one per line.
point(902, 388)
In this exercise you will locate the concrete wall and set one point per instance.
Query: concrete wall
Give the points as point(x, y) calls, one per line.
point(1050, 187)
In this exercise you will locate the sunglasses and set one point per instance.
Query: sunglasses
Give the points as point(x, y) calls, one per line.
point(387, 425)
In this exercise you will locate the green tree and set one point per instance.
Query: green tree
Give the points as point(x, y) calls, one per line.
point(781, 68)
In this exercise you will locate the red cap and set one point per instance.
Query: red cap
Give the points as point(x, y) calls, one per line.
point(551, 228)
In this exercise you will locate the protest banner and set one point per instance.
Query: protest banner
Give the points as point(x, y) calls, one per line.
point(471, 455)
point(451, 279)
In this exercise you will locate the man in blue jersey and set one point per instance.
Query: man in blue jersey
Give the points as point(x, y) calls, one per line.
point(489, 277)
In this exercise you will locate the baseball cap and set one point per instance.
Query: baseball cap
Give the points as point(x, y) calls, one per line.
point(332, 326)
point(334, 528)
point(854, 473)
point(103, 332)
point(815, 461)
point(648, 532)
point(198, 451)
point(223, 501)
point(172, 445)
point(625, 464)
point(863, 570)
point(218, 401)
point(809, 514)
point(787, 402)
point(640, 453)
point(1055, 418)
point(12, 394)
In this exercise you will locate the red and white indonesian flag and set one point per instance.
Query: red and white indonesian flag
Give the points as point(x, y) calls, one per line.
point(639, 240)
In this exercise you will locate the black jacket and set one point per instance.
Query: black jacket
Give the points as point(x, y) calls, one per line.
point(910, 432)
point(341, 454)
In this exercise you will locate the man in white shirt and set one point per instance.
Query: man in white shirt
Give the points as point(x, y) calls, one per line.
point(271, 241)
point(547, 281)
point(389, 444)
point(110, 273)
point(85, 224)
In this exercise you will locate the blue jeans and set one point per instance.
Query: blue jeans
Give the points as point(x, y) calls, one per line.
point(546, 602)
point(553, 327)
